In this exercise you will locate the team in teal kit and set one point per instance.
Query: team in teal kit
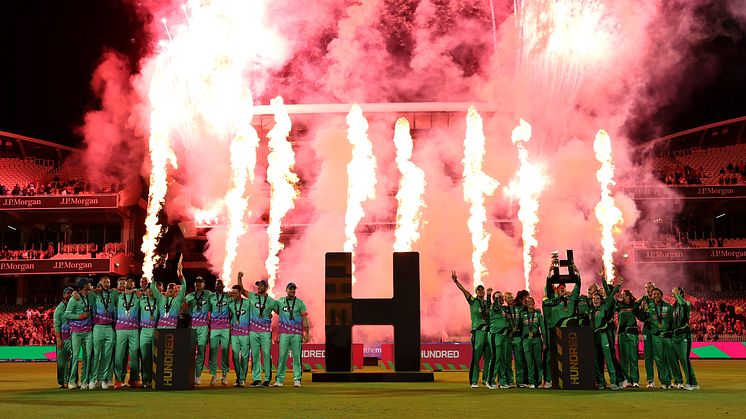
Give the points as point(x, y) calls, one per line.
point(64, 344)
point(78, 316)
point(293, 328)
point(199, 308)
point(240, 329)
point(148, 322)
point(261, 307)
point(220, 338)
point(127, 329)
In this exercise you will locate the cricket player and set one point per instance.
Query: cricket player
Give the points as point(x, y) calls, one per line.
point(513, 312)
point(220, 332)
point(121, 284)
point(533, 330)
point(148, 322)
point(661, 327)
point(104, 304)
point(198, 302)
point(170, 303)
point(240, 322)
point(682, 339)
point(499, 341)
point(64, 345)
point(261, 307)
point(480, 327)
point(127, 329)
point(78, 315)
point(647, 334)
point(628, 313)
point(602, 320)
point(293, 327)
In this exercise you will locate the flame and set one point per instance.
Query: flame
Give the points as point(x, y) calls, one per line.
point(161, 156)
point(476, 185)
point(361, 176)
point(607, 213)
point(527, 185)
point(411, 188)
point(283, 184)
point(243, 161)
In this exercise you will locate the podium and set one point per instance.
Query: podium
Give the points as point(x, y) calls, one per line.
point(573, 355)
point(174, 358)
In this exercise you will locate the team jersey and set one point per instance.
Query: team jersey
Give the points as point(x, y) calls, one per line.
point(60, 322)
point(240, 312)
point(148, 311)
point(532, 324)
point(260, 308)
point(128, 311)
point(498, 322)
point(219, 314)
point(627, 317)
point(584, 304)
point(660, 316)
point(478, 308)
point(513, 316)
point(104, 306)
point(680, 315)
point(291, 311)
point(643, 307)
point(556, 308)
point(168, 307)
point(602, 317)
point(199, 307)
point(73, 311)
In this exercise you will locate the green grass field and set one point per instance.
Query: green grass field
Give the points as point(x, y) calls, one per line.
point(29, 390)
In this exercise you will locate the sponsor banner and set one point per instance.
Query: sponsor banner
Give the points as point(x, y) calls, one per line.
point(54, 266)
point(686, 192)
point(700, 350)
point(312, 356)
point(434, 356)
point(688, 254)
point(14, 202)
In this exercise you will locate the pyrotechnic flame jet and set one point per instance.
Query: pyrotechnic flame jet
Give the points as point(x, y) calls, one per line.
point(411, 188)
point(476, 185)
point(243, 162)
point(607, 213)
point(361, 176)
point(283, 184)
point(527, 185)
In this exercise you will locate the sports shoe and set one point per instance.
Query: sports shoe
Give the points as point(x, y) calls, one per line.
point(117, 385)
point(664, 387)
point(601, 386)
point(256, 383)
point(651, 384)
point(523, 386)
point(265, 384)
point(688, 387)
point(614, 387)
point(695, 387)
point(224, 381)
point(680, 386)
point(296, 383)
point(277, 384)
point(635, 385)
point(504, 386)
point(475, 385)
point(547, 385)
point(237, 384)
point(623, 384)
point(197, 380)
point(213, 380)
point(511, 385)
point(108, 383)
point(531, 386)
point(72, 386)
point(491, 386)
point(242, 383)
point(105, 386)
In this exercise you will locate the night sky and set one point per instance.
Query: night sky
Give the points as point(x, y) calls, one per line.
point(49, 50)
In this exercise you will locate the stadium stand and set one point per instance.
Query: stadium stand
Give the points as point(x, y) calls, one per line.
point(26, 325)
point(707, 166)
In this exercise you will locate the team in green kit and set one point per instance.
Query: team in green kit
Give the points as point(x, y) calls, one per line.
point(512, 336)
point(118, 325)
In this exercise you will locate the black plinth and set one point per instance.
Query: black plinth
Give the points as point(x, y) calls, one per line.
point(373, 377)
point(174, 359)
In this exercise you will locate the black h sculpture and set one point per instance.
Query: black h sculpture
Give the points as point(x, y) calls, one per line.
point(343, 312)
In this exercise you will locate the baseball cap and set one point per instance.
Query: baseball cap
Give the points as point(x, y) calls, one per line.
point(199, 279)
point(81, 281)
point(292, 286)
point(261, 282)
point(67, 289)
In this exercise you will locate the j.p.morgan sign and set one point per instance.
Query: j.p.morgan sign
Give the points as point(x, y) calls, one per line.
point(58, 202)
point(54, 266)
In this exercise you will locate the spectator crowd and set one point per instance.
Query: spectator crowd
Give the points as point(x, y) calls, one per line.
point(712, 319)
point(32, 327)
point(55, 187)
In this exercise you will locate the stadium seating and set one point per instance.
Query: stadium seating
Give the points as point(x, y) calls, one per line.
point(22, 171)
point(709, 160)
